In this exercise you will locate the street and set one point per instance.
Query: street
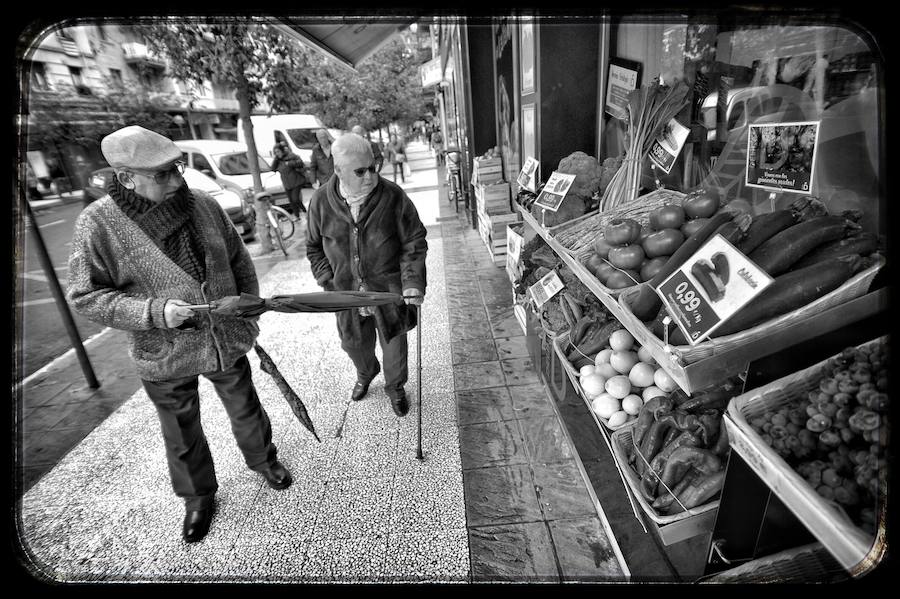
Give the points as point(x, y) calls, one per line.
point(42, 336)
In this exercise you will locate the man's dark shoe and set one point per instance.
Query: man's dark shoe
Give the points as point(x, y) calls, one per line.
point(399, 402)
point(362, 387)
point(277, 476)
point(196, 524)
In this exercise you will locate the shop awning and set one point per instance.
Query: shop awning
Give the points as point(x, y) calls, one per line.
point(349, 40)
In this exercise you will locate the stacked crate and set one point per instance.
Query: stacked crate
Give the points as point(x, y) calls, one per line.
point(492, 202)
point(487, 170)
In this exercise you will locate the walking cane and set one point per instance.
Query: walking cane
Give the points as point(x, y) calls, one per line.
point(419, 376)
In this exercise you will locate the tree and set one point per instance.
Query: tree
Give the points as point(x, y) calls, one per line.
point(244, 53)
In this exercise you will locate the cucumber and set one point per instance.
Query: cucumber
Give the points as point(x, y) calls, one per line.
point(764, 227)
point(646, 304)
point(781, 251)
point(862, 244)
point(790, 291)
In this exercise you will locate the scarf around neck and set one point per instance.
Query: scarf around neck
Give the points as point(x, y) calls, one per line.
point(354, 201)
point(168, 224)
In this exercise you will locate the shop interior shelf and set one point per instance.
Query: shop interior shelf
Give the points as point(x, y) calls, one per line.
point(703, 373)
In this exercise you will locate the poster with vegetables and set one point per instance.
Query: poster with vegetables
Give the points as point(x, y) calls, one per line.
point(781, 156)
point(554, 191)
point(710, 287)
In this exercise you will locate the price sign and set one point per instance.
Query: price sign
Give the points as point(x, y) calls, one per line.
point(554, 191)
point(528, 177)
point(710, 287)
point(549, 285)
point(665, 148)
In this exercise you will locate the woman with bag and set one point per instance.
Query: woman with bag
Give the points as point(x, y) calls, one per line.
point(396, 151)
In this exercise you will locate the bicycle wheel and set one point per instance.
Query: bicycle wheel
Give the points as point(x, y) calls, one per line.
point(275, 230)
point(284, 220)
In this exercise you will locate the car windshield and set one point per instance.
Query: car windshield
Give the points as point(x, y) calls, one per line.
point(197, 180)
point(303, 138)
point(238, 163)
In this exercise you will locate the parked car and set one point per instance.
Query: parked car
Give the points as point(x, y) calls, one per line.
point(298, 131)
point(240, 212)
point(227, 162)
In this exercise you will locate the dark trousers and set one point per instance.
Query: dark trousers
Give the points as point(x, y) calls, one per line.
point(395, 368)
point(400, 165)
point(295, 197)
point(177, 404)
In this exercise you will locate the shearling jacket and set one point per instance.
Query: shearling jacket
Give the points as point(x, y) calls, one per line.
point(384, 250)
point(119, 277)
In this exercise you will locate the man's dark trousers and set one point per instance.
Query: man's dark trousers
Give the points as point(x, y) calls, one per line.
point(177, 403)
point(295, 197)
point(394, 356)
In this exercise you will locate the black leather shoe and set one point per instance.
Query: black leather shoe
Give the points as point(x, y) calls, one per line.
point(399, 402)
point(362, 387)
point(277, 476)
point(196, 524)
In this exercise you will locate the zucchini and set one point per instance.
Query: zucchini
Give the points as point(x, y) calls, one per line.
point(790, 291)
point(862, 244)
point(764, 227)
point(647, 303)
point(781, 251)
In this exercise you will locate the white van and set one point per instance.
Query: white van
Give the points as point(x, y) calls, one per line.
point(298, 131)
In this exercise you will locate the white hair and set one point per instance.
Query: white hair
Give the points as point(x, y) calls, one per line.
point(350, 144)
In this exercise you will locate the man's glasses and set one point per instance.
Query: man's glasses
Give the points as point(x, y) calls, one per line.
point(161, 177)
point(361, 172)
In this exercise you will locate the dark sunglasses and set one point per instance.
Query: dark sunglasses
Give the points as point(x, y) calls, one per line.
point(361, 172)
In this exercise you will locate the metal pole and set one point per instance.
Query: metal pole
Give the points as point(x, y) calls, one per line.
point(59, 297)
point(419, 376)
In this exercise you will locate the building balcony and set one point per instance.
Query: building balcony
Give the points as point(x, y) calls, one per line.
point(137, 53)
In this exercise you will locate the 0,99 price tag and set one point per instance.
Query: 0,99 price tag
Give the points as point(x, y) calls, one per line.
point(710, 287)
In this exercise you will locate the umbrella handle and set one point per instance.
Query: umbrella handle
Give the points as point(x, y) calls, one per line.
point(419, 377)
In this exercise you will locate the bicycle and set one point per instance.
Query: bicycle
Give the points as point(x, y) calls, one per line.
point(278, 221)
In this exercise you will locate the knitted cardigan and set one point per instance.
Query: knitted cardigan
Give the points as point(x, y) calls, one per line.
point(119, 278)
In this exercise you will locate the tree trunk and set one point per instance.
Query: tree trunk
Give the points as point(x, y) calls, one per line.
point(262, 227)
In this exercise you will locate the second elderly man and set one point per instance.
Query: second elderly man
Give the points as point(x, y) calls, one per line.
point(364, 234)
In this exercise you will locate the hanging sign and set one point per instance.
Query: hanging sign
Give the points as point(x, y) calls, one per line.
point(624, 78)
point(665, 148)
point(528, 176)
point(781, 156)
point(430, 72)
point(710, 287)
point(554, 191)
point(549, 285)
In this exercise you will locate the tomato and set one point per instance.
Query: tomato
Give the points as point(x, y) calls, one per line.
point(692, 226)
point(622, 231)
point(700, 205)
point(663, 243)
point(623, 278)
point(645, 232)
point(669, 216)
point(649, 270)
point(627, 256)
point(594, 262)
point(601, 246)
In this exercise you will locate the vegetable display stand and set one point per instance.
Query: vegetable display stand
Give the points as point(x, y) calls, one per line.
point(856, 550)
point(673, 528)
point(807, 564)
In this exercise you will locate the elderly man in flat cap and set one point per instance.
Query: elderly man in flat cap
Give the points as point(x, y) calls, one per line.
point(364, 234)
point(140, 256)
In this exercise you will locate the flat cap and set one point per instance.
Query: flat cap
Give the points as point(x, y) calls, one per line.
point(139, 148)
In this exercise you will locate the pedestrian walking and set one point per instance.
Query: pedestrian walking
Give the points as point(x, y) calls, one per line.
point(292, 171)
point(437, 146)
point(321, 163)
point(396, 153)
point(377, 153)
point(364, 234)
point(140, 255)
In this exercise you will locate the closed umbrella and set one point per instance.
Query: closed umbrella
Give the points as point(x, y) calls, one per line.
point(247, 305)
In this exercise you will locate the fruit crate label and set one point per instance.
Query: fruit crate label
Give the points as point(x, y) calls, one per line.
point(554, 191)
point(549, 285)
point(710, 287)
point(665, 148)
point(528, 176)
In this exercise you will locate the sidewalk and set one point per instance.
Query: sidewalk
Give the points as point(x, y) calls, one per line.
point(499, 496)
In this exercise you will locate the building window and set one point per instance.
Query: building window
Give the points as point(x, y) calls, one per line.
point(115, 76)
point(78, 81)
point(38, 76)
